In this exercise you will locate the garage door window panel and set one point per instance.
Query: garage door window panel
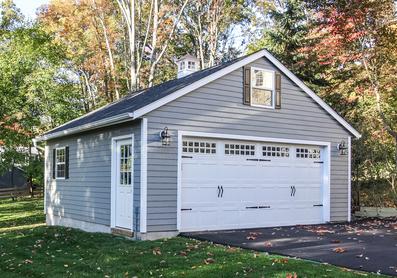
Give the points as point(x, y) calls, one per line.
point(310, 153)
point(198, 147)
point(240, 149)
point(275, 151)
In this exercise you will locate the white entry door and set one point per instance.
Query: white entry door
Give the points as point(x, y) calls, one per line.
point(124, 176)
point(236, 184)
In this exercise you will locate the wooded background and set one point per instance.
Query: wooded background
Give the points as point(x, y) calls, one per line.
point(79, 55)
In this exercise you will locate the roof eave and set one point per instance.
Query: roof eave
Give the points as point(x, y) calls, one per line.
point(94, 125)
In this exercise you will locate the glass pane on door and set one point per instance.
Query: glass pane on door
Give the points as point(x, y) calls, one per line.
point(126, 164)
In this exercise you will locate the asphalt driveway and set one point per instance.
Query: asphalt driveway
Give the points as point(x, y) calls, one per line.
point(369, 245)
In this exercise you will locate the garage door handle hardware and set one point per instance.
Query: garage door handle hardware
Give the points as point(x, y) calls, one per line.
point(186, 209)
point(320, 205)
point(321, 162)
point(186, 156)
point(252, 159)
point(268, 160)
point(293, 190)
point(219, 191)
point(264, 207)
point(222, 191)
point(258, 207)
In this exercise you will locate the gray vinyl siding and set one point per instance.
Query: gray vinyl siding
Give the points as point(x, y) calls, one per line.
point(86, 195)
point(218, 108)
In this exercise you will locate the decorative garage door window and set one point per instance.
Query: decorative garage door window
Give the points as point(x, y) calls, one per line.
point(203, 147)
point(239, 149)
point(313, 153)
point(275, 151)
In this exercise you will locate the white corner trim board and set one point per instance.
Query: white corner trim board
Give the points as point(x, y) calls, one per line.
point(114, 176)
point(251, 58)
point(349, 178)
point(143, 213)
point(326, 169)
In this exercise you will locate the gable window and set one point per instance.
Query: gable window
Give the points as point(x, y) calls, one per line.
point(60, 167)
point(262, 87)
point(191, 65)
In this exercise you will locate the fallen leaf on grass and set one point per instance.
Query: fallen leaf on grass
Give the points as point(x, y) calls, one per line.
point(27, 261)
point(281, 260)
point(339, 250)
point(231, 250)
point(209, 261)
point(289, 275)
point(183, 253)
point(156, 251)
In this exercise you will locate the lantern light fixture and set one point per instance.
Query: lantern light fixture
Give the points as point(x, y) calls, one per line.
point(342, 148)
point(165, 137)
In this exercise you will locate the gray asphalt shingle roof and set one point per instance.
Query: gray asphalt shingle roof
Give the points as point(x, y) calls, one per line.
point(137, 100)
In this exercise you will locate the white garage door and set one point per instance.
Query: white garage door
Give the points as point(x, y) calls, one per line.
point(235, 184)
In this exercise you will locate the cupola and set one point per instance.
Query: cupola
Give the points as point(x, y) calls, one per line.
point(187, 64)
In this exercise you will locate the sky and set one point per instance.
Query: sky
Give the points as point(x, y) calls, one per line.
point(28, 7)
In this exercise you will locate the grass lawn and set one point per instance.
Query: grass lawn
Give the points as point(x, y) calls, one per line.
point(30, 249)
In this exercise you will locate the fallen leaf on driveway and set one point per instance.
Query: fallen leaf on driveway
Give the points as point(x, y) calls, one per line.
point(335, 241)
point(339, 250)
point(268, 244)
point(253, 235)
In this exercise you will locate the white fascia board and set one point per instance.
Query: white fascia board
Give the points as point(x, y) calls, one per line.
point(249, 59)
point(101, 123)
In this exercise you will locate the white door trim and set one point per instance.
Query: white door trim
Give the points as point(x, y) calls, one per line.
point(326, 174)
point(114, 176)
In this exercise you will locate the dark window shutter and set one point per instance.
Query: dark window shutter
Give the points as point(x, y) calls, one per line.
point(54, 163)
point(66, 162)
point(247, 85)
point(278, 90)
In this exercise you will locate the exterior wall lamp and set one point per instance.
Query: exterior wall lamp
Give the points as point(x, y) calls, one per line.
point(342, 148)
point(165, 137)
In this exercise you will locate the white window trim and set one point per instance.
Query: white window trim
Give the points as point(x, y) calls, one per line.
point(56, 163)
point(273, 89)
point(114, 177)
point(326, 157)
